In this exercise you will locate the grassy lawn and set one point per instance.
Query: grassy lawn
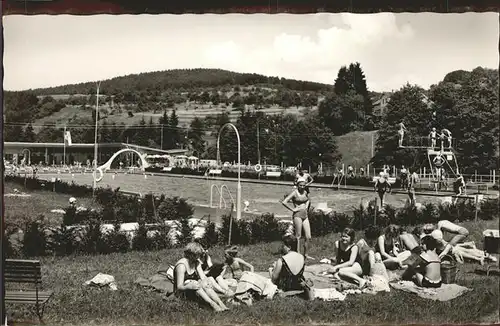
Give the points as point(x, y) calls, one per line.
point(39, 202)
point(74, 303)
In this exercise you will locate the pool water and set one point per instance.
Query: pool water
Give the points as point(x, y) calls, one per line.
point(261, 197)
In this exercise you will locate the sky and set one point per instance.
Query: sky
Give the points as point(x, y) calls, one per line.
point(393, 49)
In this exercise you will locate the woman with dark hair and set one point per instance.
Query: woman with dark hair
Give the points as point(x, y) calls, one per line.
point(425, 271)
point(390, 248)
point(288, 271)
point(214, 272)
point(349, 264)
point(382, 186)
point(190, 281)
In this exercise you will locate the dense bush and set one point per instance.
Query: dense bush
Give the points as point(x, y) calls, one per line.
point(35, 238)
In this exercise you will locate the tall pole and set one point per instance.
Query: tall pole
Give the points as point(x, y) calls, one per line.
point(161, 139)
point(95, 138)
point(258, 142)
point(64, 153)
point(238, 191)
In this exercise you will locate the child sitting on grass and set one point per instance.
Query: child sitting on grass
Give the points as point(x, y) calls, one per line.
point(426, 270)
point(235, 263)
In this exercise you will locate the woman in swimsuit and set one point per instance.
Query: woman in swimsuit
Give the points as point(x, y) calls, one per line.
point(466, 250)
point(426, 270)
point(235, 263)
point(381, 187)
point(412, 182)
point(190, 281)
point(348, 261)
point(214, 272)
point(288, 271)
point(300, 200)
point(401, 133)
point(390, 248)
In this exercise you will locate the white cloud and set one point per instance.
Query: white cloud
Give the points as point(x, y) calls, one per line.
point(307, 56)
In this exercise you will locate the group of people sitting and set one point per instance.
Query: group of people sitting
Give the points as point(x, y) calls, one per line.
point(418, 254)
point(197, 277)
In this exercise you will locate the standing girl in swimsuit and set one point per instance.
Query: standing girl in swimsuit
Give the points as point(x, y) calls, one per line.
point(300, 200)
point(401, 133)
point(381, 187)
point(348, 261)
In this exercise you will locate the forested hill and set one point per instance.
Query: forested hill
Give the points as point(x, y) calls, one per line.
point(159, 81)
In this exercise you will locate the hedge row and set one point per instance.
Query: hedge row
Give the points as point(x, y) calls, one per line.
point(39, 240)
point(116, 206)
point(266, 228)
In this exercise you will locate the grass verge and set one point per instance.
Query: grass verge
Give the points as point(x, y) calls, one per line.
point(74, 303)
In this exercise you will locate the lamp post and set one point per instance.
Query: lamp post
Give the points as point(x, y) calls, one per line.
point(95, 139)
point(238, 191)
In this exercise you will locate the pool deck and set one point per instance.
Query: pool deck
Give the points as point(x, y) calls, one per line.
point(420, 192)
point(442, 193)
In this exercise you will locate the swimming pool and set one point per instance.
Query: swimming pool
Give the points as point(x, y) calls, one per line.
point(262, 197)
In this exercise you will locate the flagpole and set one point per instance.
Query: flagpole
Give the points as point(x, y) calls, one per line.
point(95, 139)
point(64, 140)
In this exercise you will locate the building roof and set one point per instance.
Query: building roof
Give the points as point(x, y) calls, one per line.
point(12, 145)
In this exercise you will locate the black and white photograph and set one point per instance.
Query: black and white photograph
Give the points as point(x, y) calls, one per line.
point(208, 169)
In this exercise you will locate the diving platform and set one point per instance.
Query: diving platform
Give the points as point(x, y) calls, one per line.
point(427, 143)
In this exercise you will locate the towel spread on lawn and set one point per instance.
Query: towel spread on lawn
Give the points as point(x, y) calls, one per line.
point(444, 293)
point(160, 282)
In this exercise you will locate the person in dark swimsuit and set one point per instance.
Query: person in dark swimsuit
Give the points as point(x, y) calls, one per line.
point(348, 262)
point(213, 271)
point(382, 186)
point(190, 281)
point(390, 248)
point(426, 270)
point(367, 249)
point(288, 271)
point(300, 200)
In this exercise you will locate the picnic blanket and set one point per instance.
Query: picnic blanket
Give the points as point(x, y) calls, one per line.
point(159, 282)
point(444, 293)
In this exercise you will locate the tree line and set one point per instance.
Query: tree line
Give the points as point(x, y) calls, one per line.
point(464, 102)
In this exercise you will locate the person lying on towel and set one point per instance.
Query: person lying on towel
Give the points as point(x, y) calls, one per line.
point(426, 270)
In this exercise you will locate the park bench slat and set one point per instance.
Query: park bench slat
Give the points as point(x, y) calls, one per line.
point(25, 271)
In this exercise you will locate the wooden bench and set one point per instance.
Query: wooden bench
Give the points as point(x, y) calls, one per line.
point(28, 272)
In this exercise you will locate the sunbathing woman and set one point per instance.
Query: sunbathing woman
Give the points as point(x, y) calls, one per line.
point(214, 272)
point(460, 233)
point(390, 248)
point(426, 270)
point(366, 252)
point(300, 199)
point(288, 271)
point(348, 261)
point(462, 250)
point(190, 281)
point(235, 263)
